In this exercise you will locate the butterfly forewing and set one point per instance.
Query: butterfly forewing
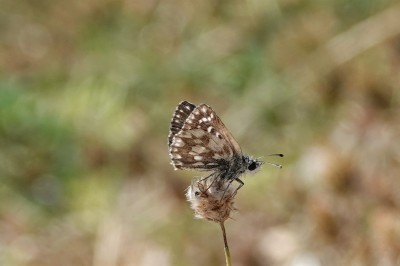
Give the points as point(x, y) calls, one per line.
point(203, 142)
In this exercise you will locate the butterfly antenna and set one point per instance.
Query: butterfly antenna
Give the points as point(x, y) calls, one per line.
point(274, 164)
point(276, 154)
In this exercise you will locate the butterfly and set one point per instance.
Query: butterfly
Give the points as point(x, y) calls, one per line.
point(198, 140)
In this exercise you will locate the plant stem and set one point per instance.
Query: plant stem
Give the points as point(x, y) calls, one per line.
point(226, 247)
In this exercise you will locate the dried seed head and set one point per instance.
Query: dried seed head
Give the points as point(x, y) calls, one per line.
point(211, 198)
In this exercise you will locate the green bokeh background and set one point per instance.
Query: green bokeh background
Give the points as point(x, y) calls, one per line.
point(87, 91)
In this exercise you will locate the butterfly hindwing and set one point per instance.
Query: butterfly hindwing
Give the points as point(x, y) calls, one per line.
point(183, 110)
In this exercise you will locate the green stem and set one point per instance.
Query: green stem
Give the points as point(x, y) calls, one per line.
point(226, 247)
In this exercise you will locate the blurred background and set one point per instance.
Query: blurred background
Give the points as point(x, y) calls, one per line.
point(87, 91)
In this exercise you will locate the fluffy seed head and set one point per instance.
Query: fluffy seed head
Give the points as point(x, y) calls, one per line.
point(211, 198)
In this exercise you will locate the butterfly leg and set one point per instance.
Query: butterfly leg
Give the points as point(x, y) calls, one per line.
point(205, 178)
point(211, 182)
point(241, 184)
point(227, 187)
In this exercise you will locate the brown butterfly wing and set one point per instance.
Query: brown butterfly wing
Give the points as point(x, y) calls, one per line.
point(203, 142)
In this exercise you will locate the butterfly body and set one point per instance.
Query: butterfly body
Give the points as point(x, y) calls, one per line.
point(198, 140)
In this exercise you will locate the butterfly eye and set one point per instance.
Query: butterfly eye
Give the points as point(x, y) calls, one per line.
point(252, 166)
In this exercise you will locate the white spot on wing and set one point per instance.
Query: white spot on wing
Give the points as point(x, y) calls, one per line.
point(176, 156)
point(209, 129)
point(178, 142)
point(198, 149)
point(198, 158)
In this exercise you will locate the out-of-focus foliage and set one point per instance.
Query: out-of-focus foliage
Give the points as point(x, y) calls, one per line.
point(87, 90)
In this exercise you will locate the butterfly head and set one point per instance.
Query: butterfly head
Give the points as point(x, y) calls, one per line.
point(252, 165)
